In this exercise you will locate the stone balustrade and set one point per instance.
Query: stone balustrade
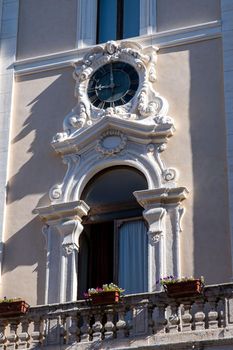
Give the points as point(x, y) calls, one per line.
point(142, 320)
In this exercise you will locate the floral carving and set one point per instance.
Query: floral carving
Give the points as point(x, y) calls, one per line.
point(119, 144)
point(146, 107)
point(60, 136)
point(69, 248)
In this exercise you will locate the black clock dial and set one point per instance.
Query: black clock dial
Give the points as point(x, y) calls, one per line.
point(113, 84)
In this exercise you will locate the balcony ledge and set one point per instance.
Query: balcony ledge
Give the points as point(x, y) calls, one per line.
point(141, 321)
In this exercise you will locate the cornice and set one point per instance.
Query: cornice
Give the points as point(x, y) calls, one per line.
point(63, 210)
point(159, 196)
point(140, 133)
point(165, 39)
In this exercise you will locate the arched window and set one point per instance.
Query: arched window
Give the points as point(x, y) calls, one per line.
point(114, 245)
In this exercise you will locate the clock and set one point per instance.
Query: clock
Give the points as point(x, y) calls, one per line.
point(112, 85)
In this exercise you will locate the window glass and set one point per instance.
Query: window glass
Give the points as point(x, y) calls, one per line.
point(107, 20)
point(114, 185)
point(117, 19)
point(131, 17)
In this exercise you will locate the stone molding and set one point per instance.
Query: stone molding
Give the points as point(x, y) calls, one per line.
point(159, 205)
point(67, 210)
point(62, 230)
point(93, 139)
point(170, 38)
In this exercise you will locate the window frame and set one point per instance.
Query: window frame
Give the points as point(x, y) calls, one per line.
point(87, 13)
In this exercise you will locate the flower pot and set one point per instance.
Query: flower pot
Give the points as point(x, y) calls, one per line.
point(105, 298)
point(184, 288)
point(13, 308)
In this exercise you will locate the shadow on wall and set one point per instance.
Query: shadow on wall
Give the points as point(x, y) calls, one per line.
point(30, 242)
point(198, 150)
point(212, 256)
point(39, 172)
point(47, 112)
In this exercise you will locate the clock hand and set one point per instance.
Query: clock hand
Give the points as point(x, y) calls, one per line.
point(99, 87)
point(111, 78)
point(111, 86)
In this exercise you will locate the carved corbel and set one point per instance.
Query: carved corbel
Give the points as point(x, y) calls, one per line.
point(70, 231)
point(154, 218)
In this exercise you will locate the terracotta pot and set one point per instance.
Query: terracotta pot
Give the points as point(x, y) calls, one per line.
point(105, 298)
point(184, 288)
point(13, 308)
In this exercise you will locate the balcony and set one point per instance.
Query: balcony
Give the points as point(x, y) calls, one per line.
point(150, 320)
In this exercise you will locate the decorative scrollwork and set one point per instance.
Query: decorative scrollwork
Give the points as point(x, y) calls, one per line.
point(159, 119)
point(55, 192)
point(146, 107)
point(60, 136)
point(169, 174)
point(78, 121)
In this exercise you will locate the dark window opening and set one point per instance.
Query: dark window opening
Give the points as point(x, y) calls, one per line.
point(113, 245)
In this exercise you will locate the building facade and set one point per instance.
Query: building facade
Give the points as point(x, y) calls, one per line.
point(116, 165)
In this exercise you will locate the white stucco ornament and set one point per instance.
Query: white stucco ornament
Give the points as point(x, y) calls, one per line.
point(144, 104)
point(128, 127)
point(111, 142)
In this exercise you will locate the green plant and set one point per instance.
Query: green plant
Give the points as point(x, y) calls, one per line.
point(111, 287)
point(172, 279)
point(9, 300)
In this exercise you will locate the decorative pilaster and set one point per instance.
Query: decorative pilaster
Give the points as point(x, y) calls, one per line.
point(62, 231)
point(70, 232)
point(162, 205)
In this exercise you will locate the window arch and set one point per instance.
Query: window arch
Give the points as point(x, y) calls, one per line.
point(114, 245)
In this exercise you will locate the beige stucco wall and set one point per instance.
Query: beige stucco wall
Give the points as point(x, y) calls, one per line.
point(40, 103)
point(46, 26)
point(181, 13)
point(190, 77)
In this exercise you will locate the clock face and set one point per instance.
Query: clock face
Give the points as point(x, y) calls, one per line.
point(112, 85)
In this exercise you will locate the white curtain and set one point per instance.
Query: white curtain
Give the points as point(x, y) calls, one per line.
point(133, 257)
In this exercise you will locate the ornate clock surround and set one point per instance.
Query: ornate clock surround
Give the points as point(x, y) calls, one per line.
point(94, 139)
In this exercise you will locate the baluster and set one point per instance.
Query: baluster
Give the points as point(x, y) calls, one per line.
point(174, 320)
point(221, 313)
point(3, 325)
point(212, 314)
point(97, 327)
point(23, 334)
point(199, 316)
point(109, 326)
point(63, 329)
point(73, 329)
point(150, 318)
point(187, 317)
point(85, 328)
point(12, 336)
point(159, 317)
point(121, 325)
point(36, 335)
